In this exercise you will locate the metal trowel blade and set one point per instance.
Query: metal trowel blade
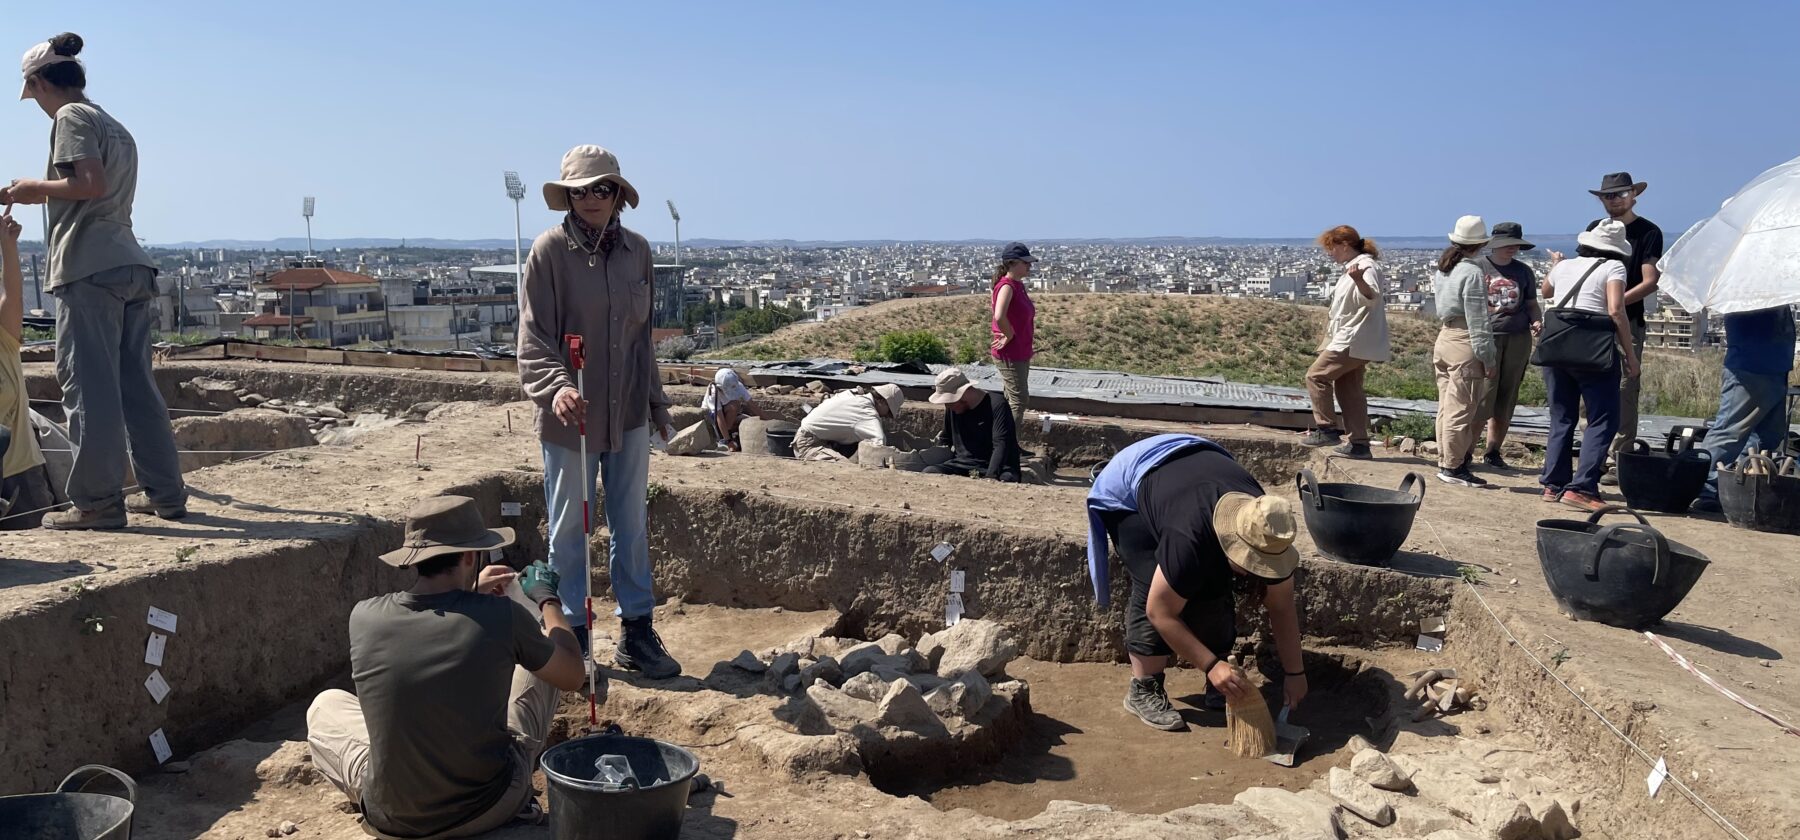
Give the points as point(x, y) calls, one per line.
point(1288, 739)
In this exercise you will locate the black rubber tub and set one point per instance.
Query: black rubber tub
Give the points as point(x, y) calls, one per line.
point(1355, 523)
point(70, 812)
point(780, 435)
point(1758, 495)
point(1625, 574)
point(1667, 481)
point(582, 808)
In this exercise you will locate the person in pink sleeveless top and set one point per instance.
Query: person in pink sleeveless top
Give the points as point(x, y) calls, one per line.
point(1014, 318)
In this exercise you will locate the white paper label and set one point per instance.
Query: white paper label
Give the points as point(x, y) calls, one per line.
point(1434, 626)
point(158, 687)
point(957, 579)
point(1046, 421)
point(953, 609)
point(942, 552)
point(159, 743)
point(1657, 775)
point(511, 508)
point(1427, 643)
point(153, 652)
point(162, 620)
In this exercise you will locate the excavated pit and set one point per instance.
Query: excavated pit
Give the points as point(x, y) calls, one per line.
point(746, 558)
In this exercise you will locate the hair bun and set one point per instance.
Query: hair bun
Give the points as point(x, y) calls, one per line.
point(66, 44)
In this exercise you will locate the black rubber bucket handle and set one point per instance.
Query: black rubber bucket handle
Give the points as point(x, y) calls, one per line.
point(1407, 483)
point(1639, 447)
point(1305, 482)
point(1748, 458)
point(79, 779)
point(1591, 567)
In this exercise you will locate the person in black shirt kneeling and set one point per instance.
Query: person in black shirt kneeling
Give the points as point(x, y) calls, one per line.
point(979, 426)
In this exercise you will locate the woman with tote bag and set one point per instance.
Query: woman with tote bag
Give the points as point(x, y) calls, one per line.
point(1584, 335)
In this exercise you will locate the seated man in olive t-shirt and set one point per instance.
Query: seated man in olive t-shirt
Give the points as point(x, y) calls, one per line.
point(455, 685)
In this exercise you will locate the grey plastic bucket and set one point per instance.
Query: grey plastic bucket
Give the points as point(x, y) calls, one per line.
point(70, 812)
point(582, 809)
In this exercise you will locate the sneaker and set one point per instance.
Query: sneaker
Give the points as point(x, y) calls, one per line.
point(1583, 501)
point(1150, 703)
point(76, 519)
point(1706, 505)
point(1356, 451)
point(140, 503)
point(1611, 478)
point(1552, 495)
point(1322, 437)
point(1462, 476)
point(1493, 459)
point(641, 649)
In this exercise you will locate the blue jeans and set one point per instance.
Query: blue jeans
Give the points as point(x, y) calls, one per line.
point(109, 391)
point(1569, 391)
point(625, 479)
point(1752, 406)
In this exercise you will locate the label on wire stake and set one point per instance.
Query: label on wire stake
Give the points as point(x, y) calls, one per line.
point(957, 580)
point(159, 744)
point(153, 651)
point(953, 609)
point(162, 620)
point(511, 508)
point(942, 551)
point(1657, 775)
point(157, 686)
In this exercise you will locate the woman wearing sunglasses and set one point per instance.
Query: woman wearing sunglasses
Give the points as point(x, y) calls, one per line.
point(591, 277)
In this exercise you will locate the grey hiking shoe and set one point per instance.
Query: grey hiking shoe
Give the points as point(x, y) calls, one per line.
point(76, 519)
point(1356, 451)
point(1150, 703)
point(140, 503)
point(640, 649)
point(1322, 437)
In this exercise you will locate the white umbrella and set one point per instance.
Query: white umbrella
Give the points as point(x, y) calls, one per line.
point(1747, 256)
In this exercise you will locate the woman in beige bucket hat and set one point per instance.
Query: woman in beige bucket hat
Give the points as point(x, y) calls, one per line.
point(1464, 355)
point(592, 277)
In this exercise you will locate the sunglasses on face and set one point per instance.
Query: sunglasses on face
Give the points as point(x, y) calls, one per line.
point(601, 190)
point(1615, 196)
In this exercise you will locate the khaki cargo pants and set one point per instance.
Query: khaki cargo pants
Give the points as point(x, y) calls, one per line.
point(1462, 382)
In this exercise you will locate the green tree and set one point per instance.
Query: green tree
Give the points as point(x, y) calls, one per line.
point(912, 346)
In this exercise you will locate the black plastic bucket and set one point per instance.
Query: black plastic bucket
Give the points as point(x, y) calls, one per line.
point(582, 809)
point(70, 813)
point(1766, 502)
point(1627, 575)
point(1354, 523)
point(1666, 482)
point(780, 435)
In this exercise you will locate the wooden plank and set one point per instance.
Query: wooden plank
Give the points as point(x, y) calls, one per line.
point(210, 351)
point(460, 363)
point(364, 358)
point(500, 366)
point(324, 357)
point(269, 352)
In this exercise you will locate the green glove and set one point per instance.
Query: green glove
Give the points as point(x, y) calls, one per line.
point(539, 582)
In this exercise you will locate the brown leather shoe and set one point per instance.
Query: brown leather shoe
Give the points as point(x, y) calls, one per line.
point(76, 519)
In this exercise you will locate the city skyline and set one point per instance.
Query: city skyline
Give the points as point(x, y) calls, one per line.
point(932, 123)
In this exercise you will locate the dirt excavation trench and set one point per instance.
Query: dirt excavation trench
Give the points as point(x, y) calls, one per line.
point(822, 689)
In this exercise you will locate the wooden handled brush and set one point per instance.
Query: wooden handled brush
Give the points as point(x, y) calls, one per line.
point(1249, 729)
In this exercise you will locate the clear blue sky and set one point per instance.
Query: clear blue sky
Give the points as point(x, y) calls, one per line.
point(838, 120)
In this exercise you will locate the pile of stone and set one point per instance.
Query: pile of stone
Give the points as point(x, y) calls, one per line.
point(949, 686)
point(223, 395)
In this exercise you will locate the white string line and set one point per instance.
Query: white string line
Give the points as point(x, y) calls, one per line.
point(1649, 760)
point(133, 488)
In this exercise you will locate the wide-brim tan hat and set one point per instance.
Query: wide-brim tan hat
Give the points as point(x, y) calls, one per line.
point(1469, 230)
point(445, 525)
point(1257, 534)
point(585, 166)
point(952, 384)
point(1607, 236)
point(893, 395)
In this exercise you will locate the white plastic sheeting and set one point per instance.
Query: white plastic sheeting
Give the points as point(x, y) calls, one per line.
point(1747, 256)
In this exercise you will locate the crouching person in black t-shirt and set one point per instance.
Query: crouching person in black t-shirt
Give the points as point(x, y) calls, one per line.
point(1191, 524)
point(979, 426)
point(456, 684)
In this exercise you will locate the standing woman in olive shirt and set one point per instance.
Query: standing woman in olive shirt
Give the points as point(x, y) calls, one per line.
point(592, 277)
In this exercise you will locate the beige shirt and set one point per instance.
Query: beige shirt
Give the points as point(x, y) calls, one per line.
point(15, 411)
point(1357, 325)
point(88, 237)
point(847, 417)
point(608, 304)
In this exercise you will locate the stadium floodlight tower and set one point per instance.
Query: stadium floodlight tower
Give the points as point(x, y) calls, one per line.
point(306, 209)
point(515, 190)
point(680, 275)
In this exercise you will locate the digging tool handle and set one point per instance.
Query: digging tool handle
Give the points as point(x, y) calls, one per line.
point(79, 779)
point(1591, 567)
point(1307, 483)
point(1408, 485)
point(1749, 459)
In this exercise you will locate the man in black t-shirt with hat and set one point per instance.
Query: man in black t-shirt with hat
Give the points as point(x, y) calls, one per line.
point(1618, 194)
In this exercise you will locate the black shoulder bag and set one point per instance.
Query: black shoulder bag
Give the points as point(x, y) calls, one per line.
point(1576, 339)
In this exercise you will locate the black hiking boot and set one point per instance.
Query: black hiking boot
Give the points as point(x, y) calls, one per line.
point(1494, 459)
point(1322, 437)
point(1355, 451)
point(1150, 703)
point(1461, 476)
point(640, 649)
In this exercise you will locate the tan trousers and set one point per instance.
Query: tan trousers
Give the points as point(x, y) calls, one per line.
point(339, 741)
point(1015, 379)
point(809, 448)
point(1335, 372)
point(1461, 382)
